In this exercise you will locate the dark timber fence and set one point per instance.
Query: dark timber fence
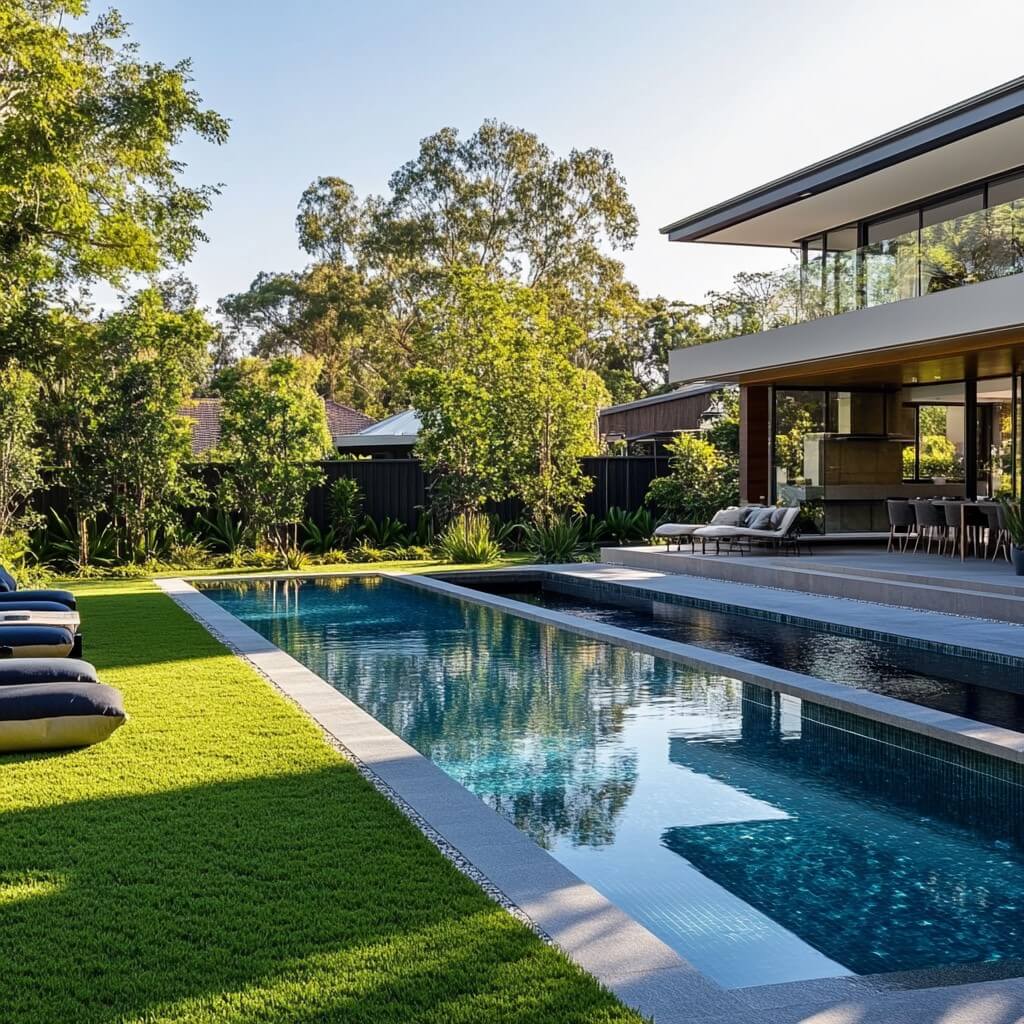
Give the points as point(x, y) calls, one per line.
point(400, 488)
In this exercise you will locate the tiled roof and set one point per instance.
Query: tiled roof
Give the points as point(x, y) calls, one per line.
point(205, 416)
point(342, 421)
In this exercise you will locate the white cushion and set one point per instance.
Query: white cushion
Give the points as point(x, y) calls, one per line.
point(676, 529)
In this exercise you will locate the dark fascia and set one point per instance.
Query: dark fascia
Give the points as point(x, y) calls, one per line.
point(1003, 103)
point(686, 391)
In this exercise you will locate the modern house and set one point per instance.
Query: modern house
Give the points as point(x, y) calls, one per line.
point(902, 373)
point(646, 424)
point(204, 417)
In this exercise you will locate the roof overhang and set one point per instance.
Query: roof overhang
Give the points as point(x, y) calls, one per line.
point(979, 138)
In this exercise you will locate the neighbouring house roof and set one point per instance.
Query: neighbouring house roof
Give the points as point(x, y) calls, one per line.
point(399, 430)
point(205, 416)
point(703, 387)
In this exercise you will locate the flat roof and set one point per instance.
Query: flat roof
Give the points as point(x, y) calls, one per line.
point(814, 194)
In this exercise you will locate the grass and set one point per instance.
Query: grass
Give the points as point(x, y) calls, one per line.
point(428, 565)
point(216, 861)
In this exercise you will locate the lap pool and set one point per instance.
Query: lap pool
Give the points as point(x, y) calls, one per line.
point(764, 838)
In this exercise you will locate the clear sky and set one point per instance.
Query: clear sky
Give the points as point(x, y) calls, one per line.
point(697, 101)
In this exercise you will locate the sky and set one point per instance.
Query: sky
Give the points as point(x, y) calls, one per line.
point(696, 101)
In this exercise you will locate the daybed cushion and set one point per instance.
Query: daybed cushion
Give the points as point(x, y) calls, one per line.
point(761, 519)
point(676, 529)
point(64, 597)
point(728, 517)
point(23, 671)
point(51, 716)
point(36, 641)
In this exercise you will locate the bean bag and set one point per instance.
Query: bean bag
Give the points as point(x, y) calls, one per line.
point(52, 716)
point(23, 671)
point(9, 591)
point(28, 604)
point(29, 641)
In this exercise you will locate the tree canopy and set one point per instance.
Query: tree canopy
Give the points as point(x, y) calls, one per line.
point(504, 411)
point(90, 188)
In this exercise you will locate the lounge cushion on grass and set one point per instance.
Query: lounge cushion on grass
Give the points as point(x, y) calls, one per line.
point(52, 716)
point(27, 641)
point(27, 604)
point(62, 597)
point(23, 671)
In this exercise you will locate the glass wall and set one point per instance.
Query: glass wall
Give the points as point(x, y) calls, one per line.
point(840, 454)
point(975, 235)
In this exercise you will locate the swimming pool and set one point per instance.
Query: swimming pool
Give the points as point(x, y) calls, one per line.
point(764, 838)
point(985, 691)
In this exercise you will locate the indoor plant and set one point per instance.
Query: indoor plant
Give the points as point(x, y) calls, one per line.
point(1015, 528)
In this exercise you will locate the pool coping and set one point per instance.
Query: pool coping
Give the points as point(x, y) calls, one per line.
point(601, 938)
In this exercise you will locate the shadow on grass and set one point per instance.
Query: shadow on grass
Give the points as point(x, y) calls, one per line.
point(294, 897)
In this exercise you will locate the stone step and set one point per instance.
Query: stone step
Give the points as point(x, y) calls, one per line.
point(927, 594)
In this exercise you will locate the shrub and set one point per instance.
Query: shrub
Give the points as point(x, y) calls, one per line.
point(317, 541)
point(333, 557)
point(366, 552)
point(294, 559)
point(467, 540)
point(223, 532)
point(387, 533)
point(561, 541)
point(625, 527)
point(344, 503)
point(702, 481)
point(189, 554)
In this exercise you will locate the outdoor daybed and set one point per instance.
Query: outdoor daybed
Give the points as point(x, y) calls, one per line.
point(775, 527)
point(679, 532)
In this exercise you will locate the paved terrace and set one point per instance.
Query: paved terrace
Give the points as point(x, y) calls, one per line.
point(978, 588)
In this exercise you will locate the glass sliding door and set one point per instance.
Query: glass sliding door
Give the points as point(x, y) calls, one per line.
point(995, 426)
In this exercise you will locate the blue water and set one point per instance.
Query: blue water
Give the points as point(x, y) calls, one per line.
point(764, 839)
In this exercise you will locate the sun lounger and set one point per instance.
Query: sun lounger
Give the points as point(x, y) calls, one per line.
point(774, 527)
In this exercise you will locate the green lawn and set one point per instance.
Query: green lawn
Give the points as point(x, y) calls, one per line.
point(215, 860)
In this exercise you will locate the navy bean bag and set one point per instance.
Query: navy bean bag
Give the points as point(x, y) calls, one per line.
point(28, 641)
point(52, 716)
point(23, 671)
point(9, 592)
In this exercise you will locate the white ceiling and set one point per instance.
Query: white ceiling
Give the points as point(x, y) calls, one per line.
point(982, 155)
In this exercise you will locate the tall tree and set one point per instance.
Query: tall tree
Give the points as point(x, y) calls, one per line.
point(89, 186)
point(273, 436)
point(504, 411)
point(498, 201)
point(121, 445)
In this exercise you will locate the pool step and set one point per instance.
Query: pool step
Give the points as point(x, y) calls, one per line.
point(951, 596)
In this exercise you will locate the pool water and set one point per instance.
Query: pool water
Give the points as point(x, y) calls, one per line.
point(984, 691)
point(764, 838)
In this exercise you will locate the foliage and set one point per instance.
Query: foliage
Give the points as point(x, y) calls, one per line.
point(273, 434)
point(20, 458)
point(556, 542)
point(89, 182)
point(143, 362)
point(294, 559)
point(317, 541)
point(364, 551)
point(223, 532)
point(344, 503)
point(384, 533)
point(624, 527)
point(504, 412)
point(1014, 522)
point(508, 536)
point(467, 540)
point(694, 489)
point(62, 543)
point(189, 554)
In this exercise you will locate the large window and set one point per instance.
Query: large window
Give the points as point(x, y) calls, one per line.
point(974, 235)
